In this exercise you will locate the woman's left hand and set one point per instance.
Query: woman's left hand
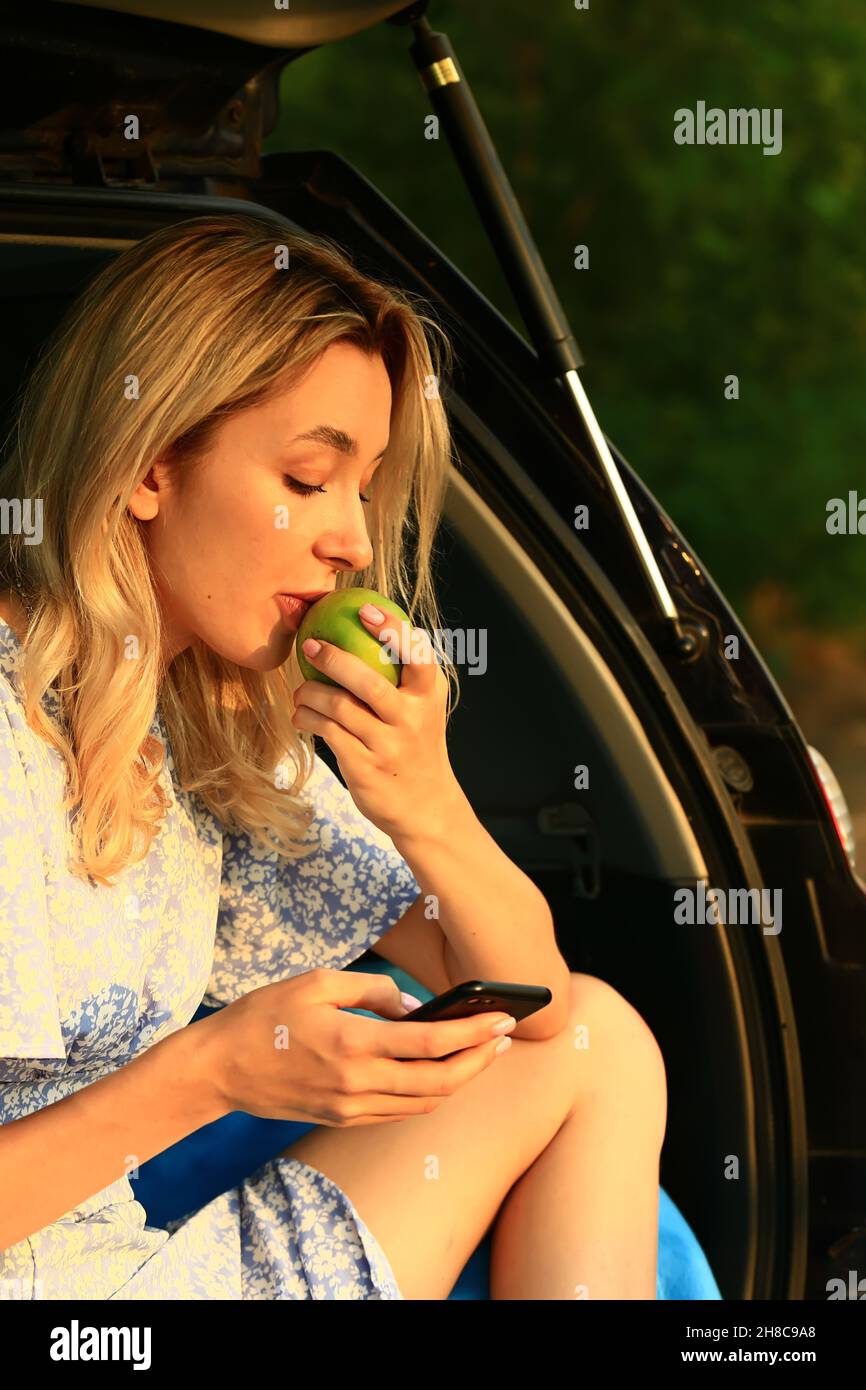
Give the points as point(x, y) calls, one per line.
point(389, 741)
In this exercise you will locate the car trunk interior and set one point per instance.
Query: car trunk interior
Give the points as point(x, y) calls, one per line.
point(540, 704)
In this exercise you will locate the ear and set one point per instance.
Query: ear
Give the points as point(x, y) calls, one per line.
point(144, 501)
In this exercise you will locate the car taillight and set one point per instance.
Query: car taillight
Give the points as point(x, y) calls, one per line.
point(836, 802)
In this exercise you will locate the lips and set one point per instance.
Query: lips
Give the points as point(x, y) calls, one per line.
point(294, 606)
point(292, 609)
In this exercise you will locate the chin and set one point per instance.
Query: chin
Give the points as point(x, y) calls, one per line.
point(261, 660)
point(270, 655)
point(273, 652)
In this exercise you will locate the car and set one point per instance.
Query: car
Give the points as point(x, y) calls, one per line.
point(639, 760)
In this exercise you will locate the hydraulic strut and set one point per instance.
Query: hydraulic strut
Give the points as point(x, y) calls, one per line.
point(489, 186)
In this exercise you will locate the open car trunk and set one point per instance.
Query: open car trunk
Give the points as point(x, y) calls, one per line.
point(608, 857)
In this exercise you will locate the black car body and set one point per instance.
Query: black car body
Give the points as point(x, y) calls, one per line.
point(699, 771)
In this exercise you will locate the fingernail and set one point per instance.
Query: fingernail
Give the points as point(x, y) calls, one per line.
point(311, 647)
point(368, 611)
point(409, 1001)
point(505, 1026)
point(503, 1045)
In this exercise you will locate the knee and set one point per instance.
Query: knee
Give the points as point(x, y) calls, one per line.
point(623, 1051)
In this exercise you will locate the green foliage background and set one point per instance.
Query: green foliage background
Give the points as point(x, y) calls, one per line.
point(704, 260)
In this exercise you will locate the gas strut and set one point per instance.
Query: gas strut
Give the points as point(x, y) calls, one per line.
point(444, 81)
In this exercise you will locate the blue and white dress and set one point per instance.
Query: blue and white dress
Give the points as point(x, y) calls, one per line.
point(91, 976)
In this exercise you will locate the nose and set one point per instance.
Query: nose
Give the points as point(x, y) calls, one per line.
point(349, 548)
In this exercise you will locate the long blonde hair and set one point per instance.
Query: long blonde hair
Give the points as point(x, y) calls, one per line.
point(196, 322)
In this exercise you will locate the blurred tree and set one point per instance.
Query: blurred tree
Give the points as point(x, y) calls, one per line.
point(704, 260)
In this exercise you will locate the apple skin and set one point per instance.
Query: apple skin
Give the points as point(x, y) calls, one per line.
point(334, 618)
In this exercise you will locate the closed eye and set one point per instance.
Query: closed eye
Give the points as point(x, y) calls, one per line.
point(307, 489)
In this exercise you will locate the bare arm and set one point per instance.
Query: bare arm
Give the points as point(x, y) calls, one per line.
point(60, 1155)
point(496, 923)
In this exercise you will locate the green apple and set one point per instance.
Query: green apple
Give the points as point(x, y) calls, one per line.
point(334, 618)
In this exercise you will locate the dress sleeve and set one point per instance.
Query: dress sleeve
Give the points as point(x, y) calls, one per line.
point(279, 918)
point(29, 1012)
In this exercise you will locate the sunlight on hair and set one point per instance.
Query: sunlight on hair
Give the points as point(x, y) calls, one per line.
point(200, 315)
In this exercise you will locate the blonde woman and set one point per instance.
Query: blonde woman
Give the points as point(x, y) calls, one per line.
point(231, 413)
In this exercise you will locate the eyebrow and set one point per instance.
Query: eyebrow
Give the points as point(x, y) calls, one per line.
point(333, 438)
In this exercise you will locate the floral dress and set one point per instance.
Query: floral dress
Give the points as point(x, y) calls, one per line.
point(91, 976)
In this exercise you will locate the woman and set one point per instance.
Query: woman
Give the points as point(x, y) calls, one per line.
point(227, 415)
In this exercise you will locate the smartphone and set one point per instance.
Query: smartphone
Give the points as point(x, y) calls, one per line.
point(481, 997)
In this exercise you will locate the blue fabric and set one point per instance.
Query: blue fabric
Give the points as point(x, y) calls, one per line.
point(219, 1156)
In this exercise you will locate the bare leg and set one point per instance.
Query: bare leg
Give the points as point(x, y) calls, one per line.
point(554, 1147)
point(582, 1222)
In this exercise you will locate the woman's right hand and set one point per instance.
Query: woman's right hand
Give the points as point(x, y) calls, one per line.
point(286, 1051)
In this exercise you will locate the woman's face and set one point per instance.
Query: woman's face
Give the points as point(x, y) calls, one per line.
point(238, 535)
